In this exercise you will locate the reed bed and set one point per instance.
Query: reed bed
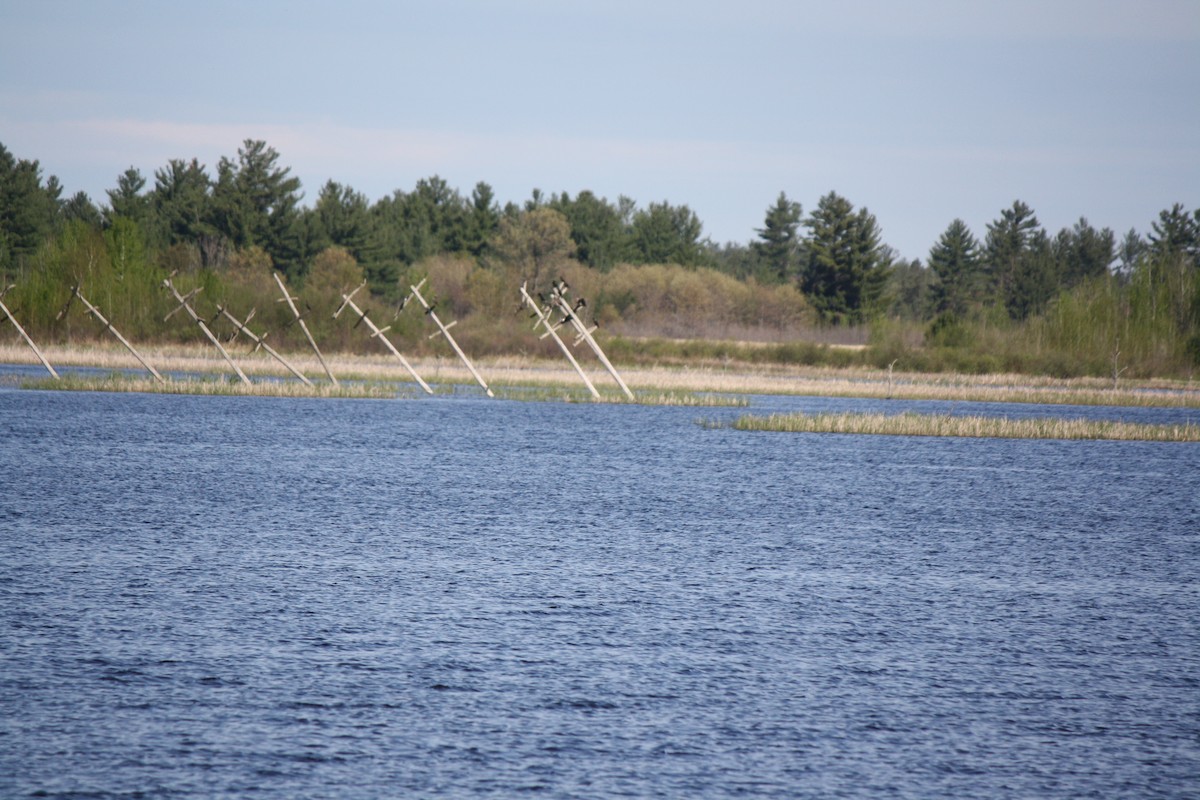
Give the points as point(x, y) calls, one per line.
point(582, 395)
point(719, 379)
point(211, 386)
point(911, 424)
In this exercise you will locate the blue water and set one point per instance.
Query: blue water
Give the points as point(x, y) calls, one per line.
point(463, 597)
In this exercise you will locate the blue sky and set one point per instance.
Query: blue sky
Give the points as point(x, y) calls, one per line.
point(920, 111)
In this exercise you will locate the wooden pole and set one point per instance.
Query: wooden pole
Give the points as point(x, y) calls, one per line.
point(25, 336)
point(586, 335)
point(186, 306)
point(258, 341)
point(288, 299)
point(445, 329)
point(552, 331)
point(95, 312)
point(377, 333)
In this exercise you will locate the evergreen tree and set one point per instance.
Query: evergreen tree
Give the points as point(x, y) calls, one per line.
point(1015, 270)
point(341, 217)
point(1034, 280)
point(81, 207)
point(846, 266)
point(910, 290)
point(666, 234)
point(482, 220)
point(128, 200)
point(256, 202)
point(1132, 248)
point(600, 233)
point(182, 203)
point(779, 248)
point(955, 260)
point(1176, 234)
point(1082, 252)
point(28, 209)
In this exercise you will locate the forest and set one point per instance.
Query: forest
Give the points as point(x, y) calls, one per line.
point(1012, 298)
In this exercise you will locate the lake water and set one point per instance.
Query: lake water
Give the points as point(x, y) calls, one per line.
point(463, 597)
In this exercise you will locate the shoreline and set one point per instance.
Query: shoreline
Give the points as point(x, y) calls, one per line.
point(724, 378)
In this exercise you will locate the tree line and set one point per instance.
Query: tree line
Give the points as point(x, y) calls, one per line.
point(827, 267)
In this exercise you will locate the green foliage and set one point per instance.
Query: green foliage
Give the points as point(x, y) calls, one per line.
point(340, 218)
point(128, 200)
point(956, 262)
point(410, 227)
point(1019, 264)
point(846, 261)
point(1176, 233)
point(1082, 253)
point(182, 207)
point(1023, 301)
point(532, 247)
point(778, 248)
point(600, 230)
point(256, 202)
point(28, 210)
point(666, 234)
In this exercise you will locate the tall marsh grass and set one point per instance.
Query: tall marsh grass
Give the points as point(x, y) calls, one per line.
point(119, 382)
point(911, 424)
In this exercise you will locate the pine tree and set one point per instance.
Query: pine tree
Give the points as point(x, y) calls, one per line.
point(955, 260)
point(845, 267)
point(779, 248)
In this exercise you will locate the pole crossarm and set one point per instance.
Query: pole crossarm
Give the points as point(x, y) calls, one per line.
point(304, 327)
point(543, 320)
point(558, 299)
point(108, 326)
point(445, 330)
point(259, 342)
point(185, 304)
point(348, 302)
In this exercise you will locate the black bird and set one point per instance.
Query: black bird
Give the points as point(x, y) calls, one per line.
point(581, 303)
point(429, 310)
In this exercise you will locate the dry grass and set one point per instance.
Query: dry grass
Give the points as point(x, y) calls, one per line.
point(967, 426)
point(720, 379)
point(121, 382)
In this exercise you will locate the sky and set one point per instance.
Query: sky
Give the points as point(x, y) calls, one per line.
point(921, 111)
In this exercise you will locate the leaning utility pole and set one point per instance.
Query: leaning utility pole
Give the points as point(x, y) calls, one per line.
point(543, 319)
point(292, 305)
point(185, 304)
point(259, 341)
point(378, 333)
point(445, 330)
point(95, 312)
point(8, 314)
point(558, 297)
